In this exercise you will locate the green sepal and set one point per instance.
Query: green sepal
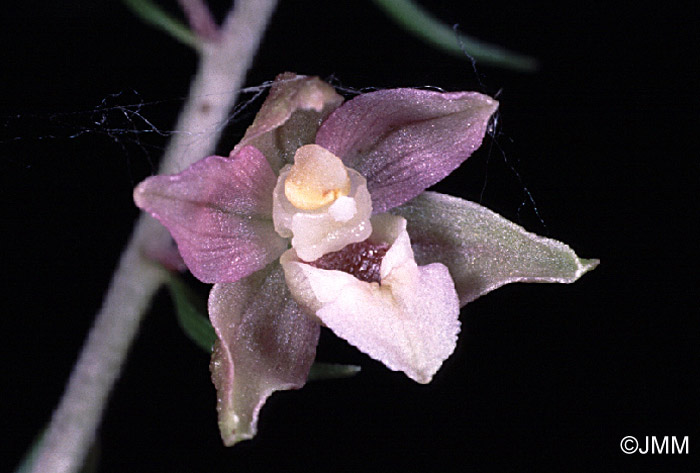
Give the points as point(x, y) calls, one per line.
point(483, 250)
point(190, 310)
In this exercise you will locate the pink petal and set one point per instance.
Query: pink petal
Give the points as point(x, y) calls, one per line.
point(409, 321)
point(405, 140)
point(290, 117)
point(219, 211)
point(266, 344)
point(483, 250)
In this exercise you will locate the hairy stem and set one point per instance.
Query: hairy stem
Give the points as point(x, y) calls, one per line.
point(222, 68)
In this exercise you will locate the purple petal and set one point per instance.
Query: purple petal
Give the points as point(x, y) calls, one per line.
point(290, 117)
point(219, 211)
point(482, 250)
point(266, 344)
point(405, 140)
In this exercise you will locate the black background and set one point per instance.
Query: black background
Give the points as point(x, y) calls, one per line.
point(544, 378)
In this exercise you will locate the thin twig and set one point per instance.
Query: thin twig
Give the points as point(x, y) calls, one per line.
point(222, 69)
point(200, 19)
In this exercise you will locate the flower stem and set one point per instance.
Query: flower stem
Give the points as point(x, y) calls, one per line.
point(222, 68)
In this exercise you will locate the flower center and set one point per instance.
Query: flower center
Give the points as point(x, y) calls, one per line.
point(362, 260)
point(317, 178)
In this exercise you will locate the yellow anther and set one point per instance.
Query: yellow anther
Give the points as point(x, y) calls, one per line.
point(317, 178)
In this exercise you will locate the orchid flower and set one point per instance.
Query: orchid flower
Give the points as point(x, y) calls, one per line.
point(318, 217)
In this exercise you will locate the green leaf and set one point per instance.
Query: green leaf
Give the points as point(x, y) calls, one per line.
point(191, 310)
point(321, 371)
point(416, 20)
point(152, 14)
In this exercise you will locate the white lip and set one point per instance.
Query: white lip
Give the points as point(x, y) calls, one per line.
point(409, 321)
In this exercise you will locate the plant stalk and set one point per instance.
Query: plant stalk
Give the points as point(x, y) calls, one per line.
point(222, 69)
